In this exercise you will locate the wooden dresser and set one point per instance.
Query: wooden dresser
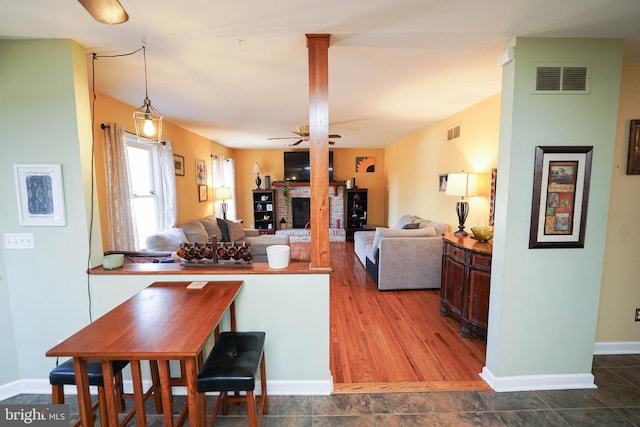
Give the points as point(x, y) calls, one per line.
point(466, 278)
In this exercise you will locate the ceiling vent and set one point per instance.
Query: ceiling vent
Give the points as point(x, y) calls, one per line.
point(562, 78)
point(453, 133)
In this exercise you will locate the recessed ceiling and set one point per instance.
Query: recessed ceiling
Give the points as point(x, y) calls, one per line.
point(236, 71)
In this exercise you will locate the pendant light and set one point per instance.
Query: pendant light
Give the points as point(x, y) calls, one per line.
point(147, 119)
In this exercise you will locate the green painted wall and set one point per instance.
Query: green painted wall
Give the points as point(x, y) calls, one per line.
point(544, 302)
point(40, 112)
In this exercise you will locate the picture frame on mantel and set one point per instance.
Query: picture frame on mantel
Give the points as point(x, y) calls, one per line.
point(633, 158)
point(560, 196)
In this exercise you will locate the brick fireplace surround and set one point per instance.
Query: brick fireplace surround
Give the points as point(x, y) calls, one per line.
point(336, 213)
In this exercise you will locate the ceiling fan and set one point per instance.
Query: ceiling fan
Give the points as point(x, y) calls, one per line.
point(106, 11)
point(303, 134)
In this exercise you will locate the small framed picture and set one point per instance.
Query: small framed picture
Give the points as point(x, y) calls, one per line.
point(201, 172)
point(269, 207)
point(633, 158)
point(203, 193)
point(442, 182)
point(40, 194)
point(178, 164)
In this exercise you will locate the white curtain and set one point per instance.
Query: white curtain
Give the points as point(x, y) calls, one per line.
point(123, 235)
point(224, 174)
point(168, 178)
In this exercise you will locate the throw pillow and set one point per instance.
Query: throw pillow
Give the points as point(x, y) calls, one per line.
point(412, 226)
point(195, 232)
point(167, 241)
point(404, 220)
point(224, 228)
point(236, 232)
point(211, 225)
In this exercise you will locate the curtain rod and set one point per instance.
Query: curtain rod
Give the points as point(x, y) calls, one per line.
point(103, 126)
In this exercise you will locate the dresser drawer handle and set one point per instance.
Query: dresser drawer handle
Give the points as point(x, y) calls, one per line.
point(486, 262)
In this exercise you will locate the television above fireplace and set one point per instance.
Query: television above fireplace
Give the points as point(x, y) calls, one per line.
point(296, 166)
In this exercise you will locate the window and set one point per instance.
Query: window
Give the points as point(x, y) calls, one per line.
point(147, 203)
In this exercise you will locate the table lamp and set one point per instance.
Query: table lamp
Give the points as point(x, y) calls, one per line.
point(462, 185)
point(223, 193)
point(257, 170)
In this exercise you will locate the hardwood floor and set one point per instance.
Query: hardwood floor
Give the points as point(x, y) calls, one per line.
point(393, 340)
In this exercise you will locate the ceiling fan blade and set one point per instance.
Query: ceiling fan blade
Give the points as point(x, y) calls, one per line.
point(331, 142)
point(295, 143)
point(335, 136)
point(106, 11)
point(286, 137)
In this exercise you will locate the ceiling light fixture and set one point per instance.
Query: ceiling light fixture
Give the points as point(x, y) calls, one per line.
point(106, 11)
point(147, 119)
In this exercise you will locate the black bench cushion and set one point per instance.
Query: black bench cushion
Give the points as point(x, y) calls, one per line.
point(233, 362)
point(64, 374)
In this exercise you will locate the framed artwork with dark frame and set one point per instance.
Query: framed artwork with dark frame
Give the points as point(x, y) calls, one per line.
point(633, 159)
point(492, 196)
point(560, 196)
point(442, 182)
point(178, 164)
point(203, 193)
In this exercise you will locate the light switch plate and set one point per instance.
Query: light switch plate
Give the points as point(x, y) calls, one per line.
point(19, 241)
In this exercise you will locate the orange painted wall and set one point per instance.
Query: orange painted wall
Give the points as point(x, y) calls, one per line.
point(272, 164)
point(185, 143)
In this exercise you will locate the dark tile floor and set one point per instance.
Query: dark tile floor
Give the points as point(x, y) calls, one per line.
point(616, 402)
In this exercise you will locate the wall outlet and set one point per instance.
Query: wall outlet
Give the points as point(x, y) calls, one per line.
point(637, 314)
point(19, 241)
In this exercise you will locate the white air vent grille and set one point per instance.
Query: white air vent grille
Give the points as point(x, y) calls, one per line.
point(453, 133)
point(560, 78)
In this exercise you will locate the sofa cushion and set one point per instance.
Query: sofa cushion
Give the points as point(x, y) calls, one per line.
point(231, 231)
point(393, 232)
point(195, 232)
point(441, 229)
point(168, 240)
point(210, 224)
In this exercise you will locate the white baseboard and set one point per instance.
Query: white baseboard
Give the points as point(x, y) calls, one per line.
point(537, 382)
point(629, 347)
point(274, 388)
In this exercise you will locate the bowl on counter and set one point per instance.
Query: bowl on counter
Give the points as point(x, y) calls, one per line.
point(483, 234)
point(112, 261)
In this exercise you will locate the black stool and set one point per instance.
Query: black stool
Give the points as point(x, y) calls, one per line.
point(232, 366)
point(64, 374)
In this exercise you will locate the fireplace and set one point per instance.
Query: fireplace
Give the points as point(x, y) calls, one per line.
point(301, 211)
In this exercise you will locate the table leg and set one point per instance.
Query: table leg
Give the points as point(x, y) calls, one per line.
point(232, 315)
point(138, 393)
point(165, 387)
point(195, 399)
point(84, 398)
point(110, 393)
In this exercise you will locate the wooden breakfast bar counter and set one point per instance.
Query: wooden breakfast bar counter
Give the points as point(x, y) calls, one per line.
point(291, 305)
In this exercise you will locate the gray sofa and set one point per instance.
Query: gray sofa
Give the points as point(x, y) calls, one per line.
point(407, 256)
point(198, 231)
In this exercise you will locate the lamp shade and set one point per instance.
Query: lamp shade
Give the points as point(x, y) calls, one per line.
point(222, 193)
point(256, 168)
point(462, 184)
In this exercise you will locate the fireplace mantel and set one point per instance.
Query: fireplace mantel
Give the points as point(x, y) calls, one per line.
point(305, 184)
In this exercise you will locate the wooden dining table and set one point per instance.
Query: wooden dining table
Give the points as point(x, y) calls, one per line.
point(163, 322)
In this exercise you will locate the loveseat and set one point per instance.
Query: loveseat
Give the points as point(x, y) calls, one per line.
point(407, 256)
point(198, 231)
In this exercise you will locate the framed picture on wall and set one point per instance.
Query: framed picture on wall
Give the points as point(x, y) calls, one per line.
point(178, 164)
point(633, 159)
point(40, 194)
point(201, 172)
point(560, 196)
point(203, 193)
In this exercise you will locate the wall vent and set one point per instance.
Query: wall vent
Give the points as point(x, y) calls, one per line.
point(453, 133)
point(562, 78)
